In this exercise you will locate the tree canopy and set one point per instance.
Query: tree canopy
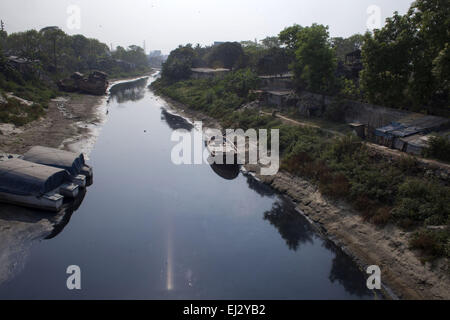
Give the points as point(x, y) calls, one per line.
point(179, 63)
point(226, 55)
point(406, 63)
point(61, 54)
point(315, 62)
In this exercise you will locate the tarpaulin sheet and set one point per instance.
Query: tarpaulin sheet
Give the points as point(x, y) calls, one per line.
point(72, 162)
point(26, 178)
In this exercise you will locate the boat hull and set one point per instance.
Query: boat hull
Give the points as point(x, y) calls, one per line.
point(52, 202)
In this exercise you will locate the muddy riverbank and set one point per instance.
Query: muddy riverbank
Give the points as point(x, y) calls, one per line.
point(67, 119)
point(404, 275)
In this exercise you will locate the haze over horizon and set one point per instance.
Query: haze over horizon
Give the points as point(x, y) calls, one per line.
point(164, 25)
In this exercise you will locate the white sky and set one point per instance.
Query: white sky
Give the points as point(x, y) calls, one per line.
point(164, 24)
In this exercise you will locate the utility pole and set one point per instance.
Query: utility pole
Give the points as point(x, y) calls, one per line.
point(2, 25)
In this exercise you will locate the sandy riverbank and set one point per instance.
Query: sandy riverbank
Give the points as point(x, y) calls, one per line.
point(403, 274)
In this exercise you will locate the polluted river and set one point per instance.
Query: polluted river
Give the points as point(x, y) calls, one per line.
point(150, 229)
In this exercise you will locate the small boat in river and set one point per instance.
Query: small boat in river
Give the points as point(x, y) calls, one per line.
point(74, 163)
point(34, 185)
point(222, 149)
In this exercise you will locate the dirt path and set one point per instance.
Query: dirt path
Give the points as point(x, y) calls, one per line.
point(396, 154)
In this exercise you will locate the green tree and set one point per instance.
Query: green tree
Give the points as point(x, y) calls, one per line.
point(406, 63)
point(343, 46)
point(226, 55)
point(288, 37)
point(25, 44)
point(52, 36)
point(178, 65)
point(275, 61)
point(253, 52)
point(386, 58)
point(315, 61)
point(271, 42)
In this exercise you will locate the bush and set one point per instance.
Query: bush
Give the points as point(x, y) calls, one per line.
point(18, 114)
point(382, 216)
point(433, 244)
point(335, 186)
point(423, 201)
point(438, 148)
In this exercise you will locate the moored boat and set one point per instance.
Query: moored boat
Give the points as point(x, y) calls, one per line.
point(34, 185)
point(222, 150)
point(74, 163)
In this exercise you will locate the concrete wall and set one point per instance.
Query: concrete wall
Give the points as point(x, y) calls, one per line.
point(208, 75)
point(276, 83)
point(372, 115)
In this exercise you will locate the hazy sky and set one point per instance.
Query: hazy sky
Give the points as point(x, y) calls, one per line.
point(164, 24)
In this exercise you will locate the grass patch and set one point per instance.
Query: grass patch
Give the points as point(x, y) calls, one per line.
point(18, 114)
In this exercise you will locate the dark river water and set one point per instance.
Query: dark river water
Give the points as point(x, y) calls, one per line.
point(149, 229)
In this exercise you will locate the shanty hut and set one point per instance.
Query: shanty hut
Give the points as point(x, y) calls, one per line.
point(395, 134)
point(384, 136)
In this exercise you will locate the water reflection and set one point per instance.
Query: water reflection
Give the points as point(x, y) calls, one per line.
point(262, 189)
point(226, 171)
point(21, 227)
point(69, 210)
point(175, 122)
point(129, 91)
point(295, 230)
point(346, 273)
point(291, 225)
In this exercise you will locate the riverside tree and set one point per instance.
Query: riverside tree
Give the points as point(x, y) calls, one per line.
point(315, 63)
point(406, 63)
point(179, 63)
point(226, 55)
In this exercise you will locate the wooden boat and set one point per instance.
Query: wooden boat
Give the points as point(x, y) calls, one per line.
point(74, 163)
point(222, 149)
point(34, 185)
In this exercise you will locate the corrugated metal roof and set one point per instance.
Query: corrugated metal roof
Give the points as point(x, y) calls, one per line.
point(385, 131)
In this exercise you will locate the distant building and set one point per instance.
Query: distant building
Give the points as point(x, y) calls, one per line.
point(279, 98)
point(207, 73)
point(353, 58)
point(353, 64)
point(22, 65)
point(51, 28)
point(155, 53)
point(277, 82)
